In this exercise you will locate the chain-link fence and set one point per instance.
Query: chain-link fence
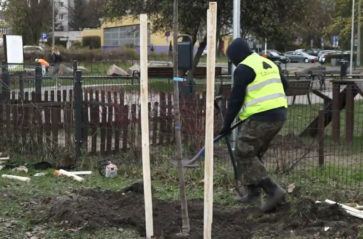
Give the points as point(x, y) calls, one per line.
point(87, 114)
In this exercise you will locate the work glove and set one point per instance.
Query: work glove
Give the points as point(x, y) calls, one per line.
point(225, 130)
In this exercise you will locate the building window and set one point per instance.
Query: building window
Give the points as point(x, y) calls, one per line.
point(122, 36)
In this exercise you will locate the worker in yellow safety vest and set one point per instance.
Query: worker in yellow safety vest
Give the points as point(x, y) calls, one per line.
point(257, 98)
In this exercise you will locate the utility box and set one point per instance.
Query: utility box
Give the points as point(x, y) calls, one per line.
point(185, 55)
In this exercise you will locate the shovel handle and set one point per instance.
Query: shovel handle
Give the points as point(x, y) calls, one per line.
point(216, 139)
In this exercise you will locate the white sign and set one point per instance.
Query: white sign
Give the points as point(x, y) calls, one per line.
point(14, 51)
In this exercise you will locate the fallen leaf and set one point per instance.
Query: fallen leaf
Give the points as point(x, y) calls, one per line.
point(291, 187)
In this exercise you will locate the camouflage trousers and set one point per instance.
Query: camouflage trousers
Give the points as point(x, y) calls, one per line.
point(253, 140)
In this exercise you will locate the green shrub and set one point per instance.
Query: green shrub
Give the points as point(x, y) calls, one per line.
point(92, 42)
point(126, 53)
point(158, 55)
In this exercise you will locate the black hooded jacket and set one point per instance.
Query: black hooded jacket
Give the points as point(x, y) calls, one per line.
point(237, 51)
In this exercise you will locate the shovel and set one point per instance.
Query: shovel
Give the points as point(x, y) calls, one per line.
point(192, 162)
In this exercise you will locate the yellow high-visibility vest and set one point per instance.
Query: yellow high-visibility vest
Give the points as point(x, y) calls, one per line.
point(266, 92)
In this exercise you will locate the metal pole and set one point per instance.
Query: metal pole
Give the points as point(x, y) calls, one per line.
point(53, 38)
point(236, 19)
point(236, 34)
point(236, 24)
point(359, 35)
point(352, 41)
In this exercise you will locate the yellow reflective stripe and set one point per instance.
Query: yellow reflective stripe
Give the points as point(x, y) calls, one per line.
point(262, 84)
point(264, 98)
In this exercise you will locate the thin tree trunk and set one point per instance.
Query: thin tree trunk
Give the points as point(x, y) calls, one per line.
point(178, 152)
point(197, 56)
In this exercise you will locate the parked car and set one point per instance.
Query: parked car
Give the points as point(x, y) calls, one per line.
point(322, 56)
point(300, 56)
point(274, 55)
point(34, 51)
point(313, 52)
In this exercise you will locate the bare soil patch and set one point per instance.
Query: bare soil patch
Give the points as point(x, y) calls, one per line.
point(94, 209)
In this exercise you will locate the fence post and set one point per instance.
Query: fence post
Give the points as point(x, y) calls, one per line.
point(75, 66)
point(321, 121)
point(21, 87)
point(336, 112)
point(78, 112)
point(349, 114)
point(5, 91)
point(38, 83)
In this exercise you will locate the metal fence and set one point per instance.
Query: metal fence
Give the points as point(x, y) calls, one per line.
point(100, 115)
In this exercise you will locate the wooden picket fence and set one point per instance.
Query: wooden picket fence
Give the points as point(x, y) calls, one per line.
point(49, 121)
point(110, 122)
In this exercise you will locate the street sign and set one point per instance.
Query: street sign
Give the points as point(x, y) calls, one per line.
point(335, 40)
point(44, 36)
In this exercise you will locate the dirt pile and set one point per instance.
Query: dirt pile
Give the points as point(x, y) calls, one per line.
point(94, 209)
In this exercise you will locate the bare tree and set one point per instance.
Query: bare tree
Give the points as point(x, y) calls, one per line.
point(86, 14)
point(28, 18)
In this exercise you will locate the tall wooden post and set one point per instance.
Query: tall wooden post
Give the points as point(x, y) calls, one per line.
point(209, 127)
point(145, 127)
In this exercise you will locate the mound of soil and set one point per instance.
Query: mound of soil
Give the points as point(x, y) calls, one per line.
point(95, 209)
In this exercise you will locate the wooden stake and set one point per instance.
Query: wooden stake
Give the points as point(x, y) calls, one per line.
point(209, 127)
point(23, 179)
point(145, 127)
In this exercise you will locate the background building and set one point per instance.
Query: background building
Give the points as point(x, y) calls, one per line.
point(126, 33)
point(63, 16)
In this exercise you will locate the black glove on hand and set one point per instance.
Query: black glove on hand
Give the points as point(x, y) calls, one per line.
point(225, 130)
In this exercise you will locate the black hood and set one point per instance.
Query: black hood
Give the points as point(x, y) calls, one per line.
point(238, 50)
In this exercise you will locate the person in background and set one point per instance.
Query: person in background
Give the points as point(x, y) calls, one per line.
point(44, 64)
point(257, 98)
point(56, 59)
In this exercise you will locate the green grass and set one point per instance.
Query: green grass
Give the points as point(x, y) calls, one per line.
point(299, 116)
point(330, 175)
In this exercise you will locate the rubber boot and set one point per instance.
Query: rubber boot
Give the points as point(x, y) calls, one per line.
point(252, 196)
point(275, 194)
